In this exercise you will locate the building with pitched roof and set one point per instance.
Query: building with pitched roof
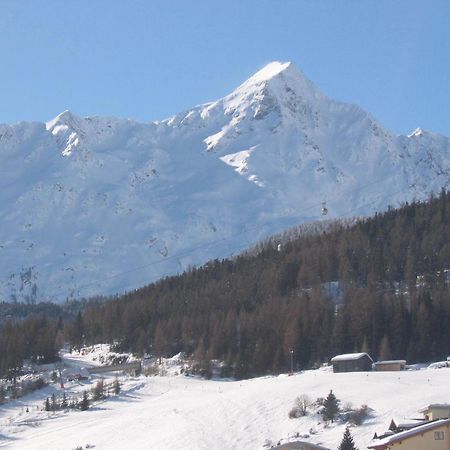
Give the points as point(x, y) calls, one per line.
point(436, 411)
point(430, 436)
point(352, 362)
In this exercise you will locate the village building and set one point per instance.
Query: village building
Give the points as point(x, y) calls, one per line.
point(397, 426)
point(393, 366)
point(436, 411)
point(352, 362)
point(299, 445)
point(430, 436)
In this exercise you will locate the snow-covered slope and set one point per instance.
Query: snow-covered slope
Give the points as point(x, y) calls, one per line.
point(189, 413)
point(98, 205)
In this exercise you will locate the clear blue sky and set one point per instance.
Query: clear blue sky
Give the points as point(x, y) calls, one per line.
point(148, 59)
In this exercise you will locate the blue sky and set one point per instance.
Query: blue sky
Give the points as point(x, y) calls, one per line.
point(148, 59)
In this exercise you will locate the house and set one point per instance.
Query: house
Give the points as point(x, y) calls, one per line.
point(352, 362)
point(436, 411)
point(396, 426)
point(394, 365)
point(299, 445)
point(430, 436)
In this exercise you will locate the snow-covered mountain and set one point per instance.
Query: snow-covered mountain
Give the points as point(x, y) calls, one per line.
point(98, 205)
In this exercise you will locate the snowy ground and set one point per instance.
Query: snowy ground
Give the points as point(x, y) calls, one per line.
point(175, 411)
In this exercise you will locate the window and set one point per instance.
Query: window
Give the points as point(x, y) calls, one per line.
point(438, 435)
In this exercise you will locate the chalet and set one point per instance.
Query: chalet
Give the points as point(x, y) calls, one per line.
point(352, 362)
point(299, 445)
point(392, 366)
point(429, 436)
point(436, 411)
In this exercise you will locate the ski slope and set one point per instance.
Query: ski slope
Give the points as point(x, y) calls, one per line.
point(175, 411)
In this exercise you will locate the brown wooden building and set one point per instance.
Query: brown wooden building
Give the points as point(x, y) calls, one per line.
point(390, 366)
point(352, 362)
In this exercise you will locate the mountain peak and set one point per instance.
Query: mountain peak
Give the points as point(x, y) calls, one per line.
point(269, 71)
point(274, 72)
point(66, 118)
point(280, 78)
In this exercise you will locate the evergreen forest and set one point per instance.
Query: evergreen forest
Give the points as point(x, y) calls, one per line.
point(378, 285)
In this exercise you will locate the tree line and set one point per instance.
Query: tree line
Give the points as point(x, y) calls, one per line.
point(36, 339)
point(377, 284)
point(251, 311)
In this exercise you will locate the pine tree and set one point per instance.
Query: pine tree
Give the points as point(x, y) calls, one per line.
point(77, 332)
point(47, 404)
point(99, 390)
point(53, 405)
point(365, 346)
point(330, 407)
point(2, 394)
point(64, 403)
point(347, 441)
point(84, 404)
point(14, 390)
point(384, 353)
point(116, 386)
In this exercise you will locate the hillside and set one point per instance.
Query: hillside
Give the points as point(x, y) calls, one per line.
point(97, 205)
point(379, 285)
point(174, 411)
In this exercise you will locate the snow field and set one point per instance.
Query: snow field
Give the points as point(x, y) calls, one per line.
point(176, 411)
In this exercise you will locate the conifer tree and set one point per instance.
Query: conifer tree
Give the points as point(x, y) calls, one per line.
point(330, 407)
point(116, 386)
point(84, 404)
point(47, 404)
point(2, 394)
point(99, 390)
point(365, 346)
point(53, 405)
point(347, 441)
point(64, 403)
point(385, 353)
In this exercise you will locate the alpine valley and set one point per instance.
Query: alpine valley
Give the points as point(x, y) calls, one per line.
point(100, 205)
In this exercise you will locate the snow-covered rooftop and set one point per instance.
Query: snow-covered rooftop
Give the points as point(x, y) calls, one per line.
point(402, 423)
point(435, 406)
point(349, 357)
point(393, 361)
